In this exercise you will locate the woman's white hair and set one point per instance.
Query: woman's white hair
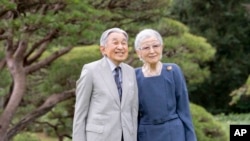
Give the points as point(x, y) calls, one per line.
point(146, 33)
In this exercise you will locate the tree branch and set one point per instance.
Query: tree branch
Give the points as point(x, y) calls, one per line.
point(9, 44)
point(37, 55)
point(19, 53)
point(58, 6)
point(3, 12)
point(3, 37)
point(47, 61)
point(47, 38)
point(50, 102)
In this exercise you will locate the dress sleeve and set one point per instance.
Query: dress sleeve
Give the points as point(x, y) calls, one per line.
point(182, 101)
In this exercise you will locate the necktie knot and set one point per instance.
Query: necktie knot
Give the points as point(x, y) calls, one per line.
point(117, 69)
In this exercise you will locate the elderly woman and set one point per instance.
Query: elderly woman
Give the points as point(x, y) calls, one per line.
point(164, 113)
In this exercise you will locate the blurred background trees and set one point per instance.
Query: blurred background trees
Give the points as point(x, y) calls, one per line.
point(44, 45)
point(226, 26)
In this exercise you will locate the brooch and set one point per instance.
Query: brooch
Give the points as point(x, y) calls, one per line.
point(169, 68)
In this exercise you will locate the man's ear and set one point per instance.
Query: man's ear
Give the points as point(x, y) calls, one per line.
point(102, 49)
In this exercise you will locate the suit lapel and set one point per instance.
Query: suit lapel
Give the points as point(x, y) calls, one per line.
point(107, 79)
point(125, 83)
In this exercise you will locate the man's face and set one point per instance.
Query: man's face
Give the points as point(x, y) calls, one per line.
point(116, 48)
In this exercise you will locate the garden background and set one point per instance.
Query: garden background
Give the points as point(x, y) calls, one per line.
point(45, 43)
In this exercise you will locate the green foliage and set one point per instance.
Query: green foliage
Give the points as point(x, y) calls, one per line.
point(5, 82)
point(226, 26)
point(76, 23)
point(5, 76)
point(172, 26)
point(7, 4)
point(241, 97)
point(189, 52)
point(207, 128)
point(26, 136)
point(60, 76)
point(59, 119)
point(64, 72)
point(233, 118)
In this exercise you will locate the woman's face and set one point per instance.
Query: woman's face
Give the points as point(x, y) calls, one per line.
point(150, 50)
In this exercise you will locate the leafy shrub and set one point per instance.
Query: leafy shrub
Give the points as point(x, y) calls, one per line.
point(241, 98)
point(207, 128)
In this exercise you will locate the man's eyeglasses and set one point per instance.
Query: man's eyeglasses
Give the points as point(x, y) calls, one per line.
point(148, 47)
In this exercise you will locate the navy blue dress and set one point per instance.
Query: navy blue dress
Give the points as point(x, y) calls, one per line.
point(164, 113)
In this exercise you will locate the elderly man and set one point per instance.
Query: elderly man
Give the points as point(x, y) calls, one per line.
point(106, 105)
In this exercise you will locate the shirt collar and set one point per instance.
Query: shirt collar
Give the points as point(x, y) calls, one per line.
point(111, 64)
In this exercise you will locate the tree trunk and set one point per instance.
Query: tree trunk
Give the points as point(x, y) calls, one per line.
point(19, 78)
point(50, 102)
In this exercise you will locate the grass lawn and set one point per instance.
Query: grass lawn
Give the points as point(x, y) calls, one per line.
point(225, 120)
point(231, 119)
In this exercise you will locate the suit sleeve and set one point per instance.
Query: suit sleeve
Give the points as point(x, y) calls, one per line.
point(182, 100)
point(136, 108)
point(83, 95)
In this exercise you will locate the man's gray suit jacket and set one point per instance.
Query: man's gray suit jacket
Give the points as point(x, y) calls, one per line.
point(99, 113)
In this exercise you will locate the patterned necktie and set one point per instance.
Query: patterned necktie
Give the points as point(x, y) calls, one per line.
point(117, 81)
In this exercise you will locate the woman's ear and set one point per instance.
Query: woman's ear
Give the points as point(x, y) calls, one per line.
point(139, 55)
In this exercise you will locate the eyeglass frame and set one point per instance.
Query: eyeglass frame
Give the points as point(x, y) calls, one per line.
point(149, 47)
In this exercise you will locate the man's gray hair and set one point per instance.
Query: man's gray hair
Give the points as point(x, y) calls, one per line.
point(106, 33)
point(146, 33)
